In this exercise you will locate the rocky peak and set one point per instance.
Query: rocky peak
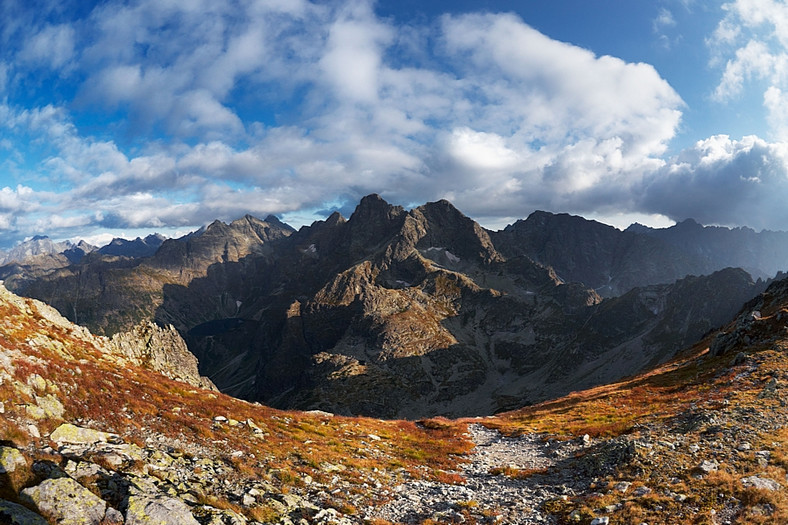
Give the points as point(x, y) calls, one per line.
point(373, 222)
point(162, 350)
point(446, 227)
point(139, 247)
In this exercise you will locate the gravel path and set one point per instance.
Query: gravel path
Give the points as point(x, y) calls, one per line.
point(498, 498)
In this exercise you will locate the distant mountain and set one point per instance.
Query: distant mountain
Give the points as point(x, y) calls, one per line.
point(613, 262)
point(136, 248)
point(113, 294)
point(601, 257)
point(43, 245)
point(75, 252)
point(405, 313)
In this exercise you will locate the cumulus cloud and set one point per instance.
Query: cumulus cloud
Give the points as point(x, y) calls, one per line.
point(724, 181)
point(750, 44)
point(480, 108)
point(492, 113)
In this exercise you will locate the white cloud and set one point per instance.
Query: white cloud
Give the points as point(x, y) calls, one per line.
point(752, 42)
point(492, 113)
point(724, 181)
point(352, 60)
point(52, 45)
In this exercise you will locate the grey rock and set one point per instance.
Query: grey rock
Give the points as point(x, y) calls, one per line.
point(707, 466)
point(10, 460)
point(158, 510)
point(160, 349)
point(758, 482)
point(72, 434)
point(14, 514)
point(113, 517)
point(66, 502)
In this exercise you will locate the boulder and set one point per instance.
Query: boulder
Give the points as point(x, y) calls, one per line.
point(74, 435)
point(13, 514)
point(66, 502)
point(158, 510)
point(10, 460)
point(758, 482)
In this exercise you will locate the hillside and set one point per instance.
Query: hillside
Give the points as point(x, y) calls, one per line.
point(700, 439)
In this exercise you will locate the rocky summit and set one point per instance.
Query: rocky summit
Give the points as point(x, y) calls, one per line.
point(397, 313)
point(122, 431)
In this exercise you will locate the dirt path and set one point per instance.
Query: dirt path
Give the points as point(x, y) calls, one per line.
point(496, 498)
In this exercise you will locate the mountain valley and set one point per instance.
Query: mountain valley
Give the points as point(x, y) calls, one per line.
point(395, 313)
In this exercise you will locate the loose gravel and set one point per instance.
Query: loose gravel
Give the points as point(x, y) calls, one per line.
point(497, 498)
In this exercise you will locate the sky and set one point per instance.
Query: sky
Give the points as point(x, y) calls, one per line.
point(121, 118)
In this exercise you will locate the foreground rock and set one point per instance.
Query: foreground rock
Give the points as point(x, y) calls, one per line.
point(66, 502)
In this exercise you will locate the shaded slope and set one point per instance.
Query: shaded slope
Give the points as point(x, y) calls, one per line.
point(600, 256)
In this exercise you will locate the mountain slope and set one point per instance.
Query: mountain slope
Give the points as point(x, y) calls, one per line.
point(134, 445)
point(111, 294)
point(700, 439)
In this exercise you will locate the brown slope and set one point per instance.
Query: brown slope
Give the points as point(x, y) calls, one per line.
point(174, 447)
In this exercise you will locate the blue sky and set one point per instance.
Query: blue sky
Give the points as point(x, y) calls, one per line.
point(120, 118)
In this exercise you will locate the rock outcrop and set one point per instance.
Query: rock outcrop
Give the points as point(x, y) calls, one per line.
point(162, 350)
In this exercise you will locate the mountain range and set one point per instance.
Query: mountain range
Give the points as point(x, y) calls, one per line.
point(397, 313)
point(123, 430)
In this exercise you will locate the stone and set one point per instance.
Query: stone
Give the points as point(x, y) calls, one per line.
point(113, 517)
point(72, 434)
point(66, 502)
point(622, 486)
point(707, 466)
point(33, 431)
point(758, 482)
point(740, 359)
point(769, 390)
point(10, 460)
point(601, 521)
point(158, 510)
point(14, 514)
point(50, 408)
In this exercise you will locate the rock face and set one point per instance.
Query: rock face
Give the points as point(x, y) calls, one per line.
point(147, 345)
point(160, 349)
point(14, 514)
point(401, 313)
